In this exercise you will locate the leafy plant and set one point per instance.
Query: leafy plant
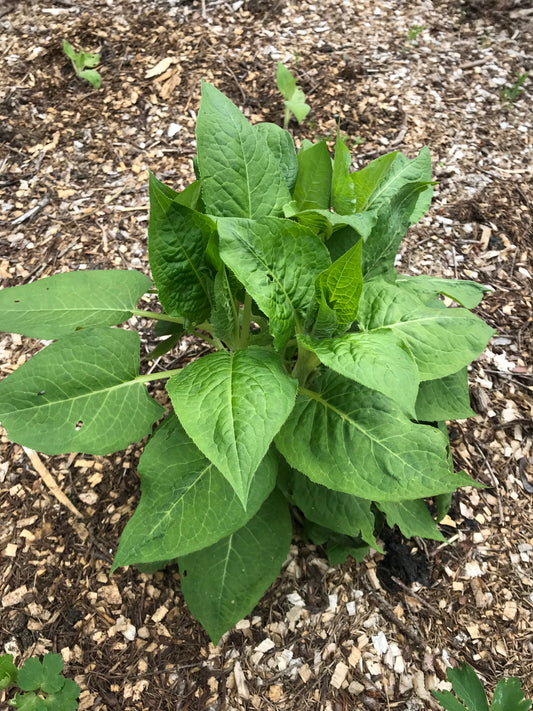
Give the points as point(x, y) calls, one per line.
point(293, 95)
point(414, 31)
point(508, 695)
point(46, 689)
point(84, 63)
point(329, 381)
point(510, 94)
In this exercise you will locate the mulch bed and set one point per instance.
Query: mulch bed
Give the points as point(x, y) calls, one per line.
point(73, 189)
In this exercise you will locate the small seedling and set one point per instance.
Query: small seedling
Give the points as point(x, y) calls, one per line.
point(294, 97)
point(414, 31)
point(508, 695)
point(84, 63)
point(44, 686)
point(510, 94)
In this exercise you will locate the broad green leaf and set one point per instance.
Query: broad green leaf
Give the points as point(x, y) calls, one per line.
point(8, 671)
point(327, 223)
point(63, 303)
point(163, 195)
point(412, 518)
point(92, 76)
point(379, 181)
point(338, 545)
point(28, 702)
point(224, 582)
point(441, 340)
point(428, 288)
point(82, 393)
point(313, 184)
point(186, 503)
point(65, 699)
point(241, 177)
point(45, 675)
point(282, 147)
point(449, 701)
point(321, 320)
point(339, 512)
point(231, 405)
point(393, 220)
point(224, 317)
point(378, 360)
point(468, 687)
point(443, 503)
point(343, 192)
point(345, 238)
point(297, 105)
point(164, 347)
point(366, 180)
point(285, 80)
point(342, 284)
point(277, 261)
point(177, 240)
point(444, 398)
point(357, 441)
point(508, 696)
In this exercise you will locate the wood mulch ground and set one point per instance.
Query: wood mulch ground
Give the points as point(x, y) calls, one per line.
point(73, 192)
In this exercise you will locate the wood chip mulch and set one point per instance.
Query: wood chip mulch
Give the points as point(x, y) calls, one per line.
point(73, 192)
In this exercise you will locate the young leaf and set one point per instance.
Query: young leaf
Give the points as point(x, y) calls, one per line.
point(428, 332)
point(444, 398)
point(313, 184)
point(508, 696)
point(293, 95)
point(339, 512)
point(29, 702)
point(8, 671)
point(177, 240)
point(343, 192)
point(338, 545)
point(379, 181)
point(222, 583)
point(186, 503)
point(412, 518)
point(467, 686)
point(357, 441)
point(378, 360)
point(80, 394)
point(46, 676)
point(449, 701)
point(224, 317)
point(69, 50)
point(92, 76)
point(325, 222)
point(342, 284)
point(65, 698)
point(393, 220)
point(163, 195)
point(63, 303)
point(428, 288)
point(282, 147)
point(278, 262)
point(241, 177)
point(231, 405)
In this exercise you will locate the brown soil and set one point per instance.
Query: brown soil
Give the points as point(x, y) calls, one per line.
point(80, 157)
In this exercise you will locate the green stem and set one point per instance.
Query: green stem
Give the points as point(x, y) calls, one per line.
point(149, 377)
point(306, 363)
point(246, 319)
point(205, 326)
point(286, 118)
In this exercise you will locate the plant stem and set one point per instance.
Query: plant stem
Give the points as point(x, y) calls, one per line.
point(286, 118)
point(306, 363)
point(205, 326)
point(246, 320)
point(149, 377)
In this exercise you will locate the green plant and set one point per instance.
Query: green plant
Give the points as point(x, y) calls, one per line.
point(84, 63)
point(508, 695)
point(293, 95)
point(510, 94)
point(331, 374)
point(414, 31)
point(44, 687)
